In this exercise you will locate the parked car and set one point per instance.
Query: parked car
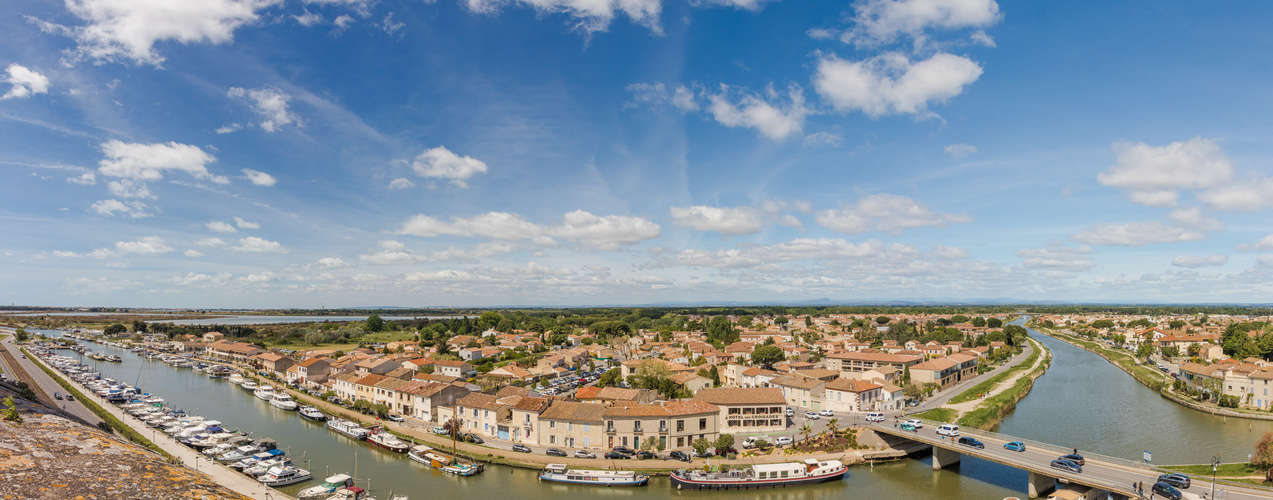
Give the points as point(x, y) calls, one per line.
point(1178, 480)
point(875, 417)
point(1167, 491)
point(811, 415)
point(826, 413)
point(473, 438)
point(584, 454)
point(624, 450)
point(916, 423)
point(335, 400)
point(970, 442)
point(749, 443)
point(395, 418)
point(791, 412)
point(439, 431)
point(645, 455)
point(614, 455)
point(678, 455)
point(951, 430)
point(704, 454)
point(1078, 459)
point(1067, 466)
point(782, 441)
point(554, 452)
point(1014, 446)
point(521, 448)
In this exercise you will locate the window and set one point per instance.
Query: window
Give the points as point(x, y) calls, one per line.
point(663, 424)
point(680, 426)
point(625, 440)
point(570, 426)
point(552, 439)
point(587, 427)
point(609, 426)
point(552, 424)
point(702, 424)
point(636, 426)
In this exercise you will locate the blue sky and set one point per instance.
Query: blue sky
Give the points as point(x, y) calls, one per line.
point(271, 153)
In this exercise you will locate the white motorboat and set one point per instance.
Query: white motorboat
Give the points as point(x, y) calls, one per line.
point(329, 486)
point(312, 413)
point(239, 453)
point(283, 476)
point(282, 401)
point(237, 379)
point(561, 473)
point(383, 438)
point(264, 392)
point(351, 429)
point(249, 386)
point(264, 466)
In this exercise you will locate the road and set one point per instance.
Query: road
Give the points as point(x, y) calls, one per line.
point(16, 364)
point(1097, 473)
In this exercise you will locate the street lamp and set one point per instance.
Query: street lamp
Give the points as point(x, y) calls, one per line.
point(1215, 464)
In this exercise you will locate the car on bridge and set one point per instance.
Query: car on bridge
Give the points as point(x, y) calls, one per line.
point(1067, 466)
point(951, 430)
point(967, 441)
point(1178, 480)
point(1014, 446)
point(1078, 459)
point(907, 426)
point(916, 423)
point(1167, 491)
point(875, 417)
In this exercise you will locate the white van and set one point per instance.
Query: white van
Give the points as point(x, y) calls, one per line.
point(875, 417)
point(948, 430)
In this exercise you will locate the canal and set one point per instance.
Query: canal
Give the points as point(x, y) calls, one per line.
point(1086, 402)
point(330, 453)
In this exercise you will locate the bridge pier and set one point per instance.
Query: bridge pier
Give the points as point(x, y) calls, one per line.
point(943, 458)
point(1040, 484)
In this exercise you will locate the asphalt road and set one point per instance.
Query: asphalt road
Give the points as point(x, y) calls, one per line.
point(43, 385)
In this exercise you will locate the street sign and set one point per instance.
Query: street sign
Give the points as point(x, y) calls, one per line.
point(1148, 457)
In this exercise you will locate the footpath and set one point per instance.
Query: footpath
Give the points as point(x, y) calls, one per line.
point(1002, 386)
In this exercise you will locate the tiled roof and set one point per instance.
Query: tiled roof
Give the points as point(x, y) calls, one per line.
point(740, 396)
point(675, 408)
point(851, 385)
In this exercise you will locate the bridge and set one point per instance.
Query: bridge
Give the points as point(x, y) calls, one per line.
point(1101, 473)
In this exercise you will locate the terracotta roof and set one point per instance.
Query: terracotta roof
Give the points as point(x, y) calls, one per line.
point(587, 392)
point(873, 356)
point(634, 410)
point(741, 396)
point(675, 408)
point(571, 410)
point(797, 382)
point(682, 378)
point(478, 400)
point(936, 364)
point(512, 390)
point(370, 379)
point(392, 384)
point(422, 388)
point(313, 361)
point(851, 385)
point(537, 405)
point(619, 394)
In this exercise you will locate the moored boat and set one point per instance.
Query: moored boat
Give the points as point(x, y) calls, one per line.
point(432, 458)
point(312, 413)
point(351, 429)
point(383, 438)
point(283, 476)
point(761, 476)
point(264, 392)
point(282, 401)
point(561, 473)
point(329, 486)
point(249, 386)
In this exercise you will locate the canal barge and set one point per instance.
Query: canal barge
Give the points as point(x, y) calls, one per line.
point(561, 473)
point(430, 457)
point(383, 438)
point(761, 476)
point(351, 429)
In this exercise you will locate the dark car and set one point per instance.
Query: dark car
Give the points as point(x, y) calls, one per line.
point(554, 452)
point(521, 448)
point(614, 455)
point(57, 395)
point(644, 455)
point(1067, 465)
point(625, 450)
point(679, 455)
point(70, 397)
point(1178, 480)
point(1078, 459)
point(1167, 491)
point(967, 441)
point(473, 438)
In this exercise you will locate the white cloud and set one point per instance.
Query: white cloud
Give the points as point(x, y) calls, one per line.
point(400, 183)
point(228, 129)
point(129, 29)
point(888, 213)
point(243, 224)
point(259, 178)
point(823, 139)
point(150, 245)
point(893, 84)
point(390, 26)
point(657, 94)
point(1154, 176)
point(1198, 261)
point(1265, 244)
point(960, 150)
point(193, 253)
point(775, 121)
point(220, 227)
point(26, 82)
point(253, 244)
point(1058, 256)
point(132, 209)
point(85, 179)
point(1135, 234)
point(1265, 261)
point(981, 38)
point(881, 21)
point(211, 242)
point(308, 19)
point(727, 220)
point(1247, 194)
point(589, 15)
point(440, 162)
point(947, 252)
point(331, 263)
point(1195, 218)
point(128, 188)
point(752, 5)
point(342, 22)
point(270, 104)
point(147, 162)
point(583, 228)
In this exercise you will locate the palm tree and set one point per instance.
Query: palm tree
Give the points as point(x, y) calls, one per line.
point(806, 430)
point(833, 427)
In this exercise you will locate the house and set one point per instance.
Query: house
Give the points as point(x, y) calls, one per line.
point(213, 337)
point(389, 393)
point(365, 386)
point(690, 420)
point(480, 414)
point(751, 410)
point(691, 381)
point(234, 352)
point(511, 372)
point(572, 424)
point(848, 395)
point(524, 419)
point(801, 392)
point(344, 385)
point(632, 424)
point(313, 370)
point(274, 362)
point(860, 361)
point(426, 396)
point(378, 366)
point(945, 371)
point(459, 369)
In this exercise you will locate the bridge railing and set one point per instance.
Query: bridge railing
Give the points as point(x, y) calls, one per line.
point(1087, 455)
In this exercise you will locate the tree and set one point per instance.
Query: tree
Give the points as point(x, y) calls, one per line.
point(649, 443)
point(139, 326)
point(1194, 350)
point(959, 318)
point(700, 446)
point(714, 374)
point(906, 374)
point(883, 320)
point(781, 320)
point(314, 337)
point(720, 331)
point(610, 377)
point(1145, 350)
point(994, 323)
point(115, 329)
point(724, 442)
point(21, 335)
point(1170, 352)
point(805, 431)
point(767, 355)
point(1175, 324)
point(488, 320)
point(1263, 456)
point(374, 323)
point(1102, 324)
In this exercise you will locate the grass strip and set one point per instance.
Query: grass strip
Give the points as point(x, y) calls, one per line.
point(119, 426)
point(992, 409)
point(990, 383)
point(1241, 469)
point(937, 414)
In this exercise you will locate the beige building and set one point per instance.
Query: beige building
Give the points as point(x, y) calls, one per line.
point(572, 425)
point(800, 391)
point(747, 410)
point(945, 371)
point(859, 361)
point(852, 396)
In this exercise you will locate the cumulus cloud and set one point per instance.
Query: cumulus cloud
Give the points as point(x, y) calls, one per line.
point(133, 209)
point(193, 253)
point(400, 183)
point(395, 252)
point(129, 29)
point(752, 5)
point(259, 178)
point(588, 16)
point(308, 19)
point(588, 231)
point(802, 249)
point(883, 21)
point(892, 83)
point(220, 227)
point(148, 162)
point(1265, 244)
point(765, 113)
point(823, 139)
point(150, 245)
point(253, 244)
point(269, 104)
point(888, 213)
point(84, 179)
point(733, 220)
point(1155, 175)
point(210, 242)
point(441, 163)
point(658, 94)
point(960, 150)
point(25, 82)
point(243, 224)
point(128, 188)
point(1197, 261)
point(1135, 234)
point(1057, 256)
point(1250, 194)
point(331, 263)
